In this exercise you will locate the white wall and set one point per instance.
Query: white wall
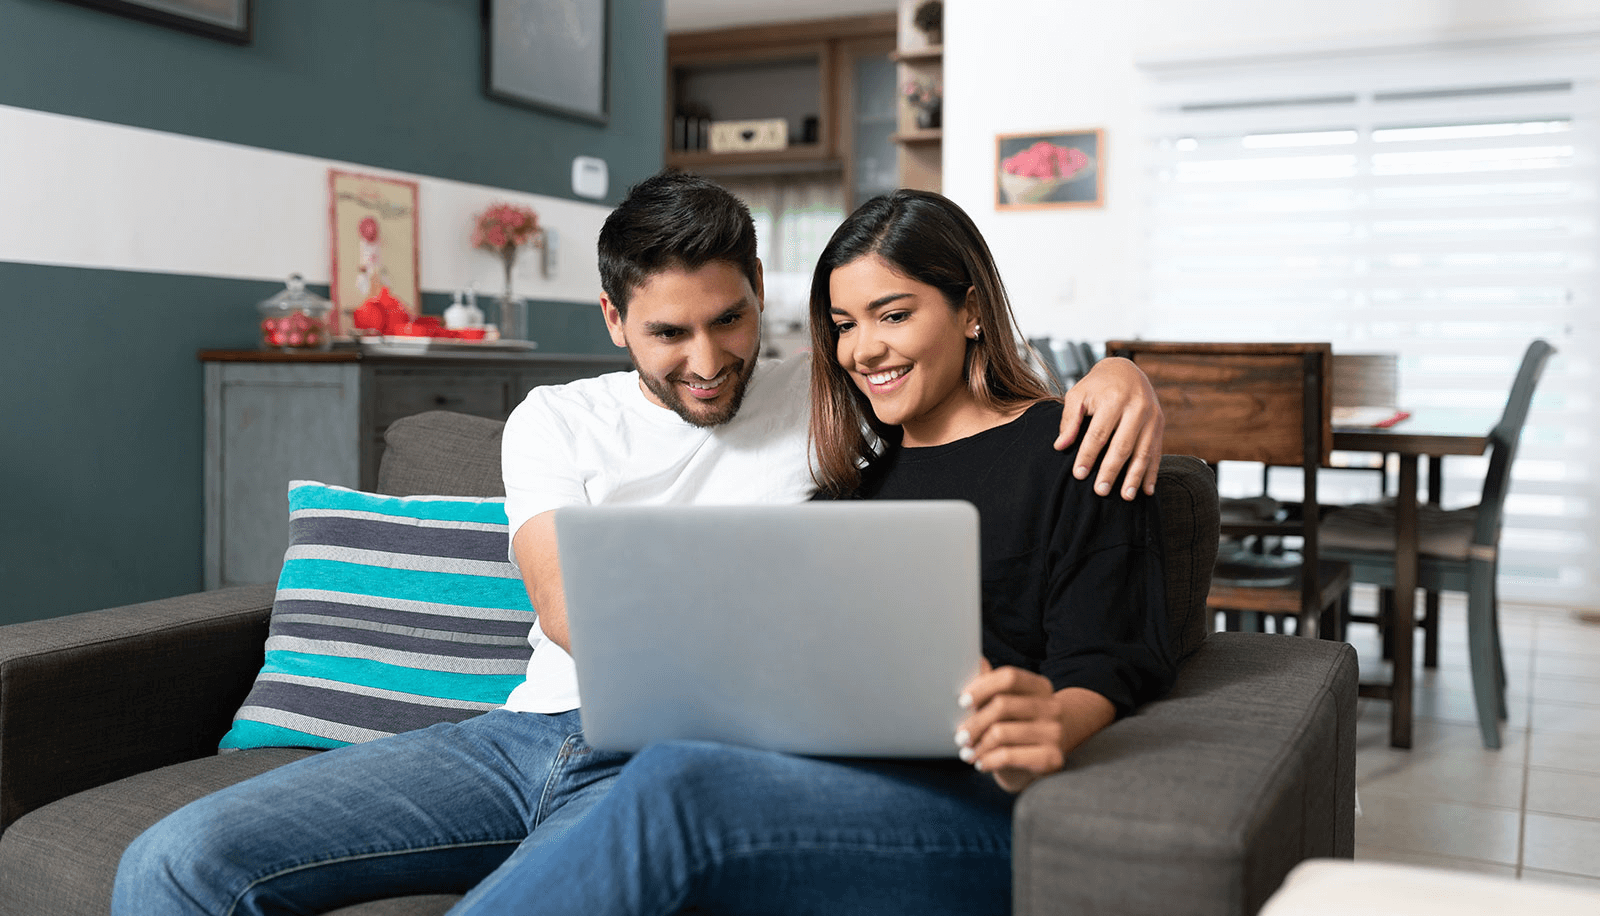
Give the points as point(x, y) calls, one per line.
point(1022, 65)
point(81, 193)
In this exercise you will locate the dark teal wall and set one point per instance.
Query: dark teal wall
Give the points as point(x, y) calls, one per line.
point(101, 416)
point(391, 83)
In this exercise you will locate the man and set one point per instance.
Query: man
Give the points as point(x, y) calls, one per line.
point(701, 420)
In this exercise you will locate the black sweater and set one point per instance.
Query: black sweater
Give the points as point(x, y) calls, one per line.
point(1072, 581)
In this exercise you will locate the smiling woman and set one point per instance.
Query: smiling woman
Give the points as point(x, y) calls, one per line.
point(907, 284)
point(905, 348)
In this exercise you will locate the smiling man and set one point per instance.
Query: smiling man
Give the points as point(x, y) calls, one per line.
point(455, 807)
point(693, 357)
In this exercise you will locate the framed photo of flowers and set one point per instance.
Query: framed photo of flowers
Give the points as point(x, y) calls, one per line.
point(547, 54)
point(1035, 171)
point(373, 230)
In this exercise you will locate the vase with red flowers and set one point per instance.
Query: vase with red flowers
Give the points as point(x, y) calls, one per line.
point(504, 229)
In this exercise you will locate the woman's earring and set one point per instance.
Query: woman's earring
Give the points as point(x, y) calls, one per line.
point(977, 332)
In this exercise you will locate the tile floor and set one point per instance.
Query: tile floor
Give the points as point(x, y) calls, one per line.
point(1529, 810)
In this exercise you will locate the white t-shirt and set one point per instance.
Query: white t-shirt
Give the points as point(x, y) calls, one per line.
point(600, 440)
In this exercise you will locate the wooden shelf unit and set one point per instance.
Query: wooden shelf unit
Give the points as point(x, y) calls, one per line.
point(830, 46)
point(921, 148)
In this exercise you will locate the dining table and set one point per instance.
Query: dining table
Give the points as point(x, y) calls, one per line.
point(1425, 433)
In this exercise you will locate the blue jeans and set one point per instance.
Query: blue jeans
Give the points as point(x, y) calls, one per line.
point(433, 811)
point(732, 830)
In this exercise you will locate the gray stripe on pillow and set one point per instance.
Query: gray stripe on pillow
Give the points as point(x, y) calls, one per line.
point(377, 639)
point(399, 519)
point(422, 660)
point(342, 687)
point(388, 560)
point(514, 629)
point(310, 725)
point(445, 542)
point(376, 713)
point(403, 604)
point(487, 639)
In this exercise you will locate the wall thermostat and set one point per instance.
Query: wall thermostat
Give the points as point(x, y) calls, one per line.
point(589, 177)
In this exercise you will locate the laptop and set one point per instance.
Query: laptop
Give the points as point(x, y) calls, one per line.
point(828, 628)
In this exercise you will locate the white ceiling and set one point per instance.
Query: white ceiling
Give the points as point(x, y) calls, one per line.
point(690, 15)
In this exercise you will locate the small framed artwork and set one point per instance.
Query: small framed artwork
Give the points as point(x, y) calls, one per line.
point(1042, 170)
point(373, 229)
point(228, 20)
point(547, 54)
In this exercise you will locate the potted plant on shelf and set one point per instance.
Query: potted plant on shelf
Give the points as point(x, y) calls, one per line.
point(927, 101)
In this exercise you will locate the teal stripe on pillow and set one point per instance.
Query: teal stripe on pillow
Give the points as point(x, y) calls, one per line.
point(381, 616)
point(247, 733)
point(305, 494)
point(474, 590)
point(416, 682)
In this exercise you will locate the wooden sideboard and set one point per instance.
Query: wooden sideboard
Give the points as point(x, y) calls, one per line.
point(275, 417)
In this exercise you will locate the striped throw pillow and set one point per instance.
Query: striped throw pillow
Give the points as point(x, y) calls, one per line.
point(391, 614)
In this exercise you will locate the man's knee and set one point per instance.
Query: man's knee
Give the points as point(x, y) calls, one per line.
point(181, 857)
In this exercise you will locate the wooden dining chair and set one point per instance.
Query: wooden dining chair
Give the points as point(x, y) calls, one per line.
point(1267, 403)
point(1458, 550)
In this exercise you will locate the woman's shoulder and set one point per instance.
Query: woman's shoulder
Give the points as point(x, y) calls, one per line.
point(1041, 421)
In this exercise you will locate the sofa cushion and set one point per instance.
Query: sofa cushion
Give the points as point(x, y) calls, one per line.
point(62, 858)
point(391, 614)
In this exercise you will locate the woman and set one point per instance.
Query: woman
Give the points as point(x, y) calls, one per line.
point(926, 397)
point(918, 392)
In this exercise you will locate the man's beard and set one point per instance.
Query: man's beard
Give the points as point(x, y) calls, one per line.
point(669, 392)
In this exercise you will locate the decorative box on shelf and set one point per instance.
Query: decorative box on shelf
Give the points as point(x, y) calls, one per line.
point(748, 136)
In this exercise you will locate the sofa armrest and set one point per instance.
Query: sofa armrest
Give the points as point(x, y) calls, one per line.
point(90, 698)
point(1200, 803)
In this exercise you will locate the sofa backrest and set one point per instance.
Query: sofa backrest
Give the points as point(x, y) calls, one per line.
point(451, 454)
point(1190, 522)
point(442, 453)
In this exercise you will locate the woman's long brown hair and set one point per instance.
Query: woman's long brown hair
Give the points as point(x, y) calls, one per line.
point(927, 238)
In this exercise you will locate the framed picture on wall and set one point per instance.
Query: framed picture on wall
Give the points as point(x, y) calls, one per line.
point(547, 54)
point(1044, 170)
point(228, 20)
point(373, 229)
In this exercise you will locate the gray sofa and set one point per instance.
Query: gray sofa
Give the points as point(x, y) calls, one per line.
point(1198, 804)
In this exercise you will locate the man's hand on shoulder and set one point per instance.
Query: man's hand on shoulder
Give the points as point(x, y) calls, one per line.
point(1122, 410)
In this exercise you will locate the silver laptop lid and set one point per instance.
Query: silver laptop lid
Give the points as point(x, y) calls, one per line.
point(830, 628)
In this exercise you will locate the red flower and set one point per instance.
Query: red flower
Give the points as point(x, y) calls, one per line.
point(503, 228)
point(1046, 160)
point(369, 229)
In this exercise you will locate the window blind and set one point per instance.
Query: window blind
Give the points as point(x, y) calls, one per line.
point(1436, 203)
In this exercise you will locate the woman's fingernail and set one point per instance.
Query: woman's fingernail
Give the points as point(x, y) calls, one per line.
point(1102, 488)
point(962, 738)
point(967, 755)
point(1080, 472)
point(1130, 493)
point(977, 765)
point(964, 701)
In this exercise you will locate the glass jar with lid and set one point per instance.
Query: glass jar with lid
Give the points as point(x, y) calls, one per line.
point(295, 319)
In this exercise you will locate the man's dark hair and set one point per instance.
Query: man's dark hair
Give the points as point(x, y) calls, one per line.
point(673, 221)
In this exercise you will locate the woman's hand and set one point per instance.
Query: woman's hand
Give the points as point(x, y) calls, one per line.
point(1019, 729)
point(1124, 411)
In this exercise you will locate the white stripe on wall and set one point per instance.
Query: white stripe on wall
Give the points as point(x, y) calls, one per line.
point(81, 193)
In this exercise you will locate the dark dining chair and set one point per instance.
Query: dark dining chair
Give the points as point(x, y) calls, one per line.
point(1458, 550)
point(1266, 403)
point(1064, 361)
